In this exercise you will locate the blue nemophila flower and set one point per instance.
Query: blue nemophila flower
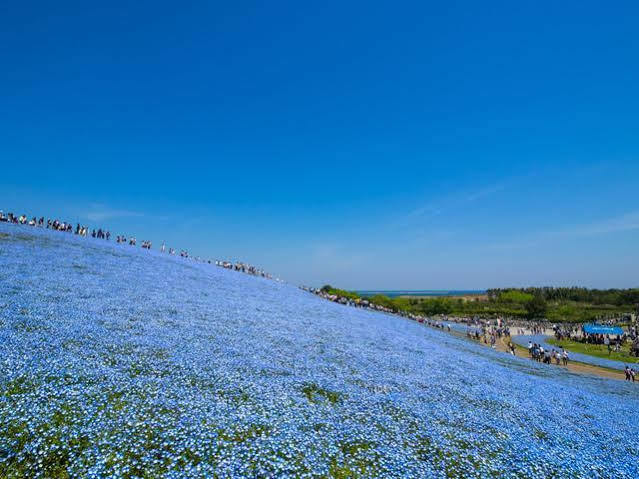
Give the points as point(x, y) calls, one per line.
point(117, 362)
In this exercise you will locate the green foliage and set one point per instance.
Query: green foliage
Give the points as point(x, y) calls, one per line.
point(436, 306)
point(328, 289)
point(404, 304)
point(354, 462)
point(344, 294)
point(613, 297)
point(598, 350)
point(536, 307)
point(383, 300)
point(315, 394)
point(514, 296)
point(53, 462)
point(575, 312)
point(554, 304)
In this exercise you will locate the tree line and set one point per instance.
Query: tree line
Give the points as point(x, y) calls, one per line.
point(556, 304)
point(617, 297)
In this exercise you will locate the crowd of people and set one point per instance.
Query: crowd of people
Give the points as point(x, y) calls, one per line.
point(355, 302)
point(578, 333)
point(243, 268)
point(476, 328)
point(482, 330)
point(613, 342)
point(101, 233)
point(539, 354)
point(489, 331)
point(55, 224)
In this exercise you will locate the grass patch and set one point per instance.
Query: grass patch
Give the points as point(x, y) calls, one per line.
point(53, 454)
point(453, 462)
point(354, 462)
point(596, 350)
point(26, 325)
point(541, 435)
point(19, 385)
point(242, 435)
point(316, 394)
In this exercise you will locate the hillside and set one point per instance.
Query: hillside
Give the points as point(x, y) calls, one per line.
point(121, 362)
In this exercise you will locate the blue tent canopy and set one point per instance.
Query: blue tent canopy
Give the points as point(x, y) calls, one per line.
point(599, 329)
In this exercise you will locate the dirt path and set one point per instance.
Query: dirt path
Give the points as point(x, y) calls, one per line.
point(575, 367)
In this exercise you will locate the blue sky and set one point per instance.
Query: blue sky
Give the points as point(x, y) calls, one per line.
point(387, 145)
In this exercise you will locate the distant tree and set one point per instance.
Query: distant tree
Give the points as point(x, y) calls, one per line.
point(616, 297)
point(514, 296)
point(436, 306)
point(536, 307)
point(383, 300)
point(326, 288)
point(344, 294)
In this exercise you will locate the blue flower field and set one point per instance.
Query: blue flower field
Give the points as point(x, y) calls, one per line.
point(121, 362)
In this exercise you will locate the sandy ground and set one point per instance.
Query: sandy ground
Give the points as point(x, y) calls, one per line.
point(575, 367)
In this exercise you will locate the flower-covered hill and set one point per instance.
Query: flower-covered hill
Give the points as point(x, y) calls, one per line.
point(121, 362)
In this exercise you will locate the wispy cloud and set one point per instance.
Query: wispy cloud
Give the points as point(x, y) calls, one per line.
point(99, 212)
point(626, 222)
point(617, 224)
point(430, 209)
point(447, 203)
point(489, 190)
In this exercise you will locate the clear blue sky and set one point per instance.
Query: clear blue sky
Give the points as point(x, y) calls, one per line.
point(370, 145)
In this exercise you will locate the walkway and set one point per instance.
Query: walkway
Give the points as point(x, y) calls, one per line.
point(582, 358)
point(575, 365)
